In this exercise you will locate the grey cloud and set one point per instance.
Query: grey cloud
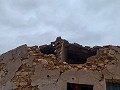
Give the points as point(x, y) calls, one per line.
point(36, 38)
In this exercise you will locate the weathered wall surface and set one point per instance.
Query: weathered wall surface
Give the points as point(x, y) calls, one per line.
point(26, 68)
point(16, 69)
point(57, 79)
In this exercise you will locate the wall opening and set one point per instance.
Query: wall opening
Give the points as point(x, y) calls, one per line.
point(47, 49)
point(77, 54)
point(112, 85)
point(73, 86)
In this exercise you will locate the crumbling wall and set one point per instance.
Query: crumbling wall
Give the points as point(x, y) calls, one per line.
point(77, 54)
point(27, 68)
point(94, 72)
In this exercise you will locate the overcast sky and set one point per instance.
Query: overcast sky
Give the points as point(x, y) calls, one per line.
point(36, 22)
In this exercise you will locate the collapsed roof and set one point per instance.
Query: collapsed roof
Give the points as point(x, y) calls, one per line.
point(61, 52)
point(63, 55)
point(28, 68)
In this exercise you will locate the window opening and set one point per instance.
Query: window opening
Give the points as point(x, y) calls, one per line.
point(73, 86)
point(113, 85)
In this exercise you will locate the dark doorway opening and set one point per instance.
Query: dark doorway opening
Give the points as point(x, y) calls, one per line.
point(73, 86)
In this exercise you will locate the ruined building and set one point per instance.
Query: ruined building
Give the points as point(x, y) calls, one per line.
point(60, 66)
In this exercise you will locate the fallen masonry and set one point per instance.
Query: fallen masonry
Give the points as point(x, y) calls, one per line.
point(60, 66)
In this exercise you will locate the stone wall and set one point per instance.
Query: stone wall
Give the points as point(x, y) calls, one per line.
point(26, 68)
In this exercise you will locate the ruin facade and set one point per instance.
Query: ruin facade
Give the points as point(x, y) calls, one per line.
point(60, 66)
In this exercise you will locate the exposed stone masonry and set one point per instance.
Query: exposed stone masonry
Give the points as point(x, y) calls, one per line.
point(50, 67)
